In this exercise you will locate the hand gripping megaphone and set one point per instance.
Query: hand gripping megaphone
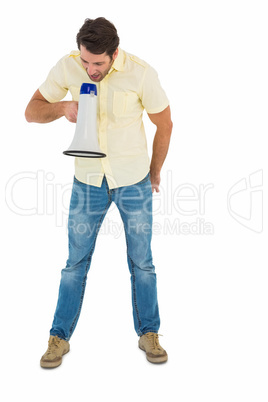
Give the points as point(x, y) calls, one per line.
point(85, 142)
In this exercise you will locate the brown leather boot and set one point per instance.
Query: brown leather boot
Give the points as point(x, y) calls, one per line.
point(57, 347)
point(154, 352)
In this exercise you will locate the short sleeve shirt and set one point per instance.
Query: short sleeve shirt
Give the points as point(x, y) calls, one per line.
point(130, 87)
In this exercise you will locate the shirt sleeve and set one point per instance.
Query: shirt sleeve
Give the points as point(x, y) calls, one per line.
point(54, 88)
point(153, 97)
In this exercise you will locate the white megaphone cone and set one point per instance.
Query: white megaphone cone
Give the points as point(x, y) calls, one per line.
point(85, 142)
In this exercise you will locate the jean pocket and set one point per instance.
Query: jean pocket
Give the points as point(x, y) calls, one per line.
point(145, 180)
point(80, 183)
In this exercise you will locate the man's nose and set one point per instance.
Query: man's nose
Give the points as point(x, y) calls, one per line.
point(91, 70)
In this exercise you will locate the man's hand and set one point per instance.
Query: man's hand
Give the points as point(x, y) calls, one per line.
point(70, 110)
point(155, 181)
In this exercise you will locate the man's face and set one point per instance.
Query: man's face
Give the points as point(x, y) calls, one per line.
point(96, 65)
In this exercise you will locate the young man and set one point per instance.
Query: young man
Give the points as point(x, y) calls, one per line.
point(126, 86)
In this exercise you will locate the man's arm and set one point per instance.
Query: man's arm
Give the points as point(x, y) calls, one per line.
point(164, 125)
point(39, 110)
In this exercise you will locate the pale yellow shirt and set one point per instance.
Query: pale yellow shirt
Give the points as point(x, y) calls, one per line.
point(131, 86)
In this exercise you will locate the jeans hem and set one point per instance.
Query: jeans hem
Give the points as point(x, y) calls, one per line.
point(59, 336)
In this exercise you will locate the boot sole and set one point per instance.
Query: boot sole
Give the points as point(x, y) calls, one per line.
point(156, 360)
point(52, 364)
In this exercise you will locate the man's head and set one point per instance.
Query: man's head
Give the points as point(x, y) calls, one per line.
point(98, 43)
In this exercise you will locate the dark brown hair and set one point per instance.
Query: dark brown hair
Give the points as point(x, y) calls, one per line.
point(98, 36)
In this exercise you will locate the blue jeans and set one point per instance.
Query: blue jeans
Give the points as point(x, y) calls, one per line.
point(88, 207)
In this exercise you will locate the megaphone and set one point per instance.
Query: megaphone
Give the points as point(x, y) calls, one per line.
point(85, 142)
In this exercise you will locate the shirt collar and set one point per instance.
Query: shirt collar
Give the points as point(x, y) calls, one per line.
point(119, 62)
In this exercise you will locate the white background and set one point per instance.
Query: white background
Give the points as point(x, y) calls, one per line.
point(211, 57)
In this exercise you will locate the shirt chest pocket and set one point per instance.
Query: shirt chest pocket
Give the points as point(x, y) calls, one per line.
point(125, 104)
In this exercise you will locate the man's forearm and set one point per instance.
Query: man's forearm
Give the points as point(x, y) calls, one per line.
point(164, 126)
point(160, 150)
point(39, 111)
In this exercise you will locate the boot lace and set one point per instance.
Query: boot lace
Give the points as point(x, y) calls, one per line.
point(53, 344)
point(154, 340)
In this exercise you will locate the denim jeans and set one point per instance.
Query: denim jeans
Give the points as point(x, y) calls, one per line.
point(88, 207)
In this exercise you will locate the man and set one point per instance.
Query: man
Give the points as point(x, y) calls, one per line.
point(126, 86)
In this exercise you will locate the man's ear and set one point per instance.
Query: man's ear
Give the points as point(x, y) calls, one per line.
point(115, 54)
